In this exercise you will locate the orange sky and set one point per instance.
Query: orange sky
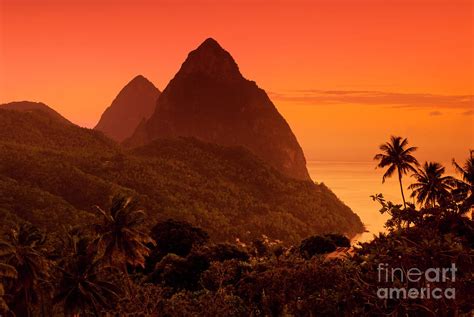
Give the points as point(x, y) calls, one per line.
point(345, 73)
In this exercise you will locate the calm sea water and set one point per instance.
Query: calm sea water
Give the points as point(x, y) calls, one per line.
point(353, 183)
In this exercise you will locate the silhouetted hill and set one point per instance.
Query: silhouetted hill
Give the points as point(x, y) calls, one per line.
point(52, 171)
point(135, 103)
point(41, 129)
point(209, 99)
point(29, 106)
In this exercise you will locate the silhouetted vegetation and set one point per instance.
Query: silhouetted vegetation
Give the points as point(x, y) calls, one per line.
point(431, 186)
point(316, 245)
point(177, 237)
point(227, 280)
point(464, 188)
point(397, 157)
point(83, 287)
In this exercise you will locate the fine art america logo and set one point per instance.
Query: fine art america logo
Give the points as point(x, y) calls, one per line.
point(414, 283)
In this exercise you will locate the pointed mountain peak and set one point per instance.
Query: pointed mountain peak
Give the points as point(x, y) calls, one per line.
point(211, 60)
point(210, 43)
point(134, 103)
point(139, 81)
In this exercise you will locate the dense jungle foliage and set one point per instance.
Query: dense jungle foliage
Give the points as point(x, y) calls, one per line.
point(116, 267)
point(51, 171)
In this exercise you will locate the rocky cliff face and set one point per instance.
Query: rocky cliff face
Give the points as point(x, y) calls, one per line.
point(209, 99)
point(135, 103)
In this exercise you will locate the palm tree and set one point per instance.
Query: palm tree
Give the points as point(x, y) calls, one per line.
point(397, 156)
point(24, 250)
point(466, 186)
point(81, 286)
point(431, 186)
point(120, 240)
point(6, 271)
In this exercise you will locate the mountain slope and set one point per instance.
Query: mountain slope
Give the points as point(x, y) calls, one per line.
point(210, 100)
point(134, 103)
point(226, 190)
point(29, 106)
point(37, 128)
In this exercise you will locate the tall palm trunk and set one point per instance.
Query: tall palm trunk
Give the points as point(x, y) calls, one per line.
point(127, 277)
point(27, 301)
point(401, 188)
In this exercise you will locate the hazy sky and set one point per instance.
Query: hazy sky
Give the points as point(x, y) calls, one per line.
point(345, 73)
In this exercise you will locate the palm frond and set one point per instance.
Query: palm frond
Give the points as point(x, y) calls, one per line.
point(8, 271)
point(388, 173)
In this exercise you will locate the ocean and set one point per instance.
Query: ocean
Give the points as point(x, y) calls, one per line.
point(353, 183)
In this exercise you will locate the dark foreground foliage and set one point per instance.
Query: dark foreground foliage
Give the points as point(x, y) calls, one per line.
point(195, 277)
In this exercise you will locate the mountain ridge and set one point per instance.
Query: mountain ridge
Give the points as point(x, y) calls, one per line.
point(29, 106)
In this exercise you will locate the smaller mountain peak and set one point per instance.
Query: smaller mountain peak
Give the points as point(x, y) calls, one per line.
point(135, 102)
point(139, 80)
point(139, 77)
point(139, 84)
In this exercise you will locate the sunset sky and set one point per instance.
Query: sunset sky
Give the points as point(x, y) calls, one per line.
point(344, 73)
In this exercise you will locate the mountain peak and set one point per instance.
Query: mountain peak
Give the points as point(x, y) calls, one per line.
point(210, 100)
point(210, 60)
point(210, 43)
point(138, 81)
point(134, 103)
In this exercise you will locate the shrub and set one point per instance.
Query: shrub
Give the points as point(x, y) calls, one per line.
point(316, 245)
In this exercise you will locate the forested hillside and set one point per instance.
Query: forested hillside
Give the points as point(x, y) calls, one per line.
point(53, 174)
